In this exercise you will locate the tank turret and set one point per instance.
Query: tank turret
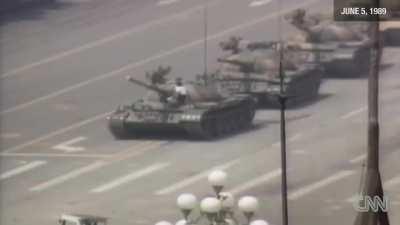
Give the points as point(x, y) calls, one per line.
point(350, 42)
point(255, 71)
point(197, 108)
point(163, 93)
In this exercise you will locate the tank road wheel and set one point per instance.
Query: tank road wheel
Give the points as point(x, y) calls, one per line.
point(250, 113)
point(361, 64)
point(231, 122)
point(209, 129)
point(242, 120)
point(219, 125)
point(235, 121)
point(222, 125)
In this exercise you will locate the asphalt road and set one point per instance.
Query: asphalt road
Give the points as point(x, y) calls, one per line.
point(63, 69)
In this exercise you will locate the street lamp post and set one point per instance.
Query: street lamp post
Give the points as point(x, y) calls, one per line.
point(282, 98)
point(216, 210)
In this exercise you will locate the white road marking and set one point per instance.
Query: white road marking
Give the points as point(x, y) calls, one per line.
point(257, 3)
point(55, 155)
point(9, 135)
point(160, 55)
point(100, 42)
point(353, 113)
point(295, 137)
point(178, 49)
point(68, 176)
point(167, 2)
point(256, 182)
point(130, 177)
point(55, 133)
point(67, 145)
point(276, 144)
point(186, 182)
point(320, 184)
point(291, 139)
point(392, 182)
point(21, 169)
point(358, 159)
point(299, 152)
point(387, 184)
point(125, 154)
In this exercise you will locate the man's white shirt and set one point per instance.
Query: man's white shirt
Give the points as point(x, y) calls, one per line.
point(181, 90)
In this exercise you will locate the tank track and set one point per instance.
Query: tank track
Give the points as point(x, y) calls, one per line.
point(303, 89)
point(224, 121)
point(357, 67)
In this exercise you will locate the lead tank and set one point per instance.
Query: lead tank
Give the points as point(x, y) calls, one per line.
point(253, 68)
point(204, 113)
point(349, 42)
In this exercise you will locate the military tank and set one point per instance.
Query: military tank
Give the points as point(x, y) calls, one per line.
point(391, 28)
point(204, 112)
point(254, 68)
point(349, 42)
point(390, 24)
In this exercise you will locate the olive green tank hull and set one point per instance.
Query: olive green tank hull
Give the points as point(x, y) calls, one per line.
point(204, 124)
point(300, 90)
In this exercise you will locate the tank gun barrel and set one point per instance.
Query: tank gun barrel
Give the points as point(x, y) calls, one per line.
point(261, 45)
point(245, 66)
point(310, 47)
point(251, 79)
point(159, 90)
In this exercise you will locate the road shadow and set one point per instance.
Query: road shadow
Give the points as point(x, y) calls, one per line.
point(294, 104)
point(289, 118)
point(180, 135)
point(352, 76)
point(30, 10)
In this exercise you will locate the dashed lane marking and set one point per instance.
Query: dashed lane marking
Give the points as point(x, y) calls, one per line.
point(160, 55)
point(68, 176)
point(392, 182)
point(299, 152)
point(130, 177)
point(256, 182)
point(21, 169)
point(9, 135)
point(387, 184)
point(259, 3)
point(50, 155)
point(320, 184)
point(358, 159)
point(295, 137)
point(167, 2)
point(353, 113)
point(55, 133)
point(67, 145)
point(100, 42)
point(126, 154)
point(186, 182)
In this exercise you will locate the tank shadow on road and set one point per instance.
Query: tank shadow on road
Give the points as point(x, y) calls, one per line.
point(296, 104)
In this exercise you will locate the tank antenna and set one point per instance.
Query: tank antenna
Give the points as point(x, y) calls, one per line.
point(205, 15)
